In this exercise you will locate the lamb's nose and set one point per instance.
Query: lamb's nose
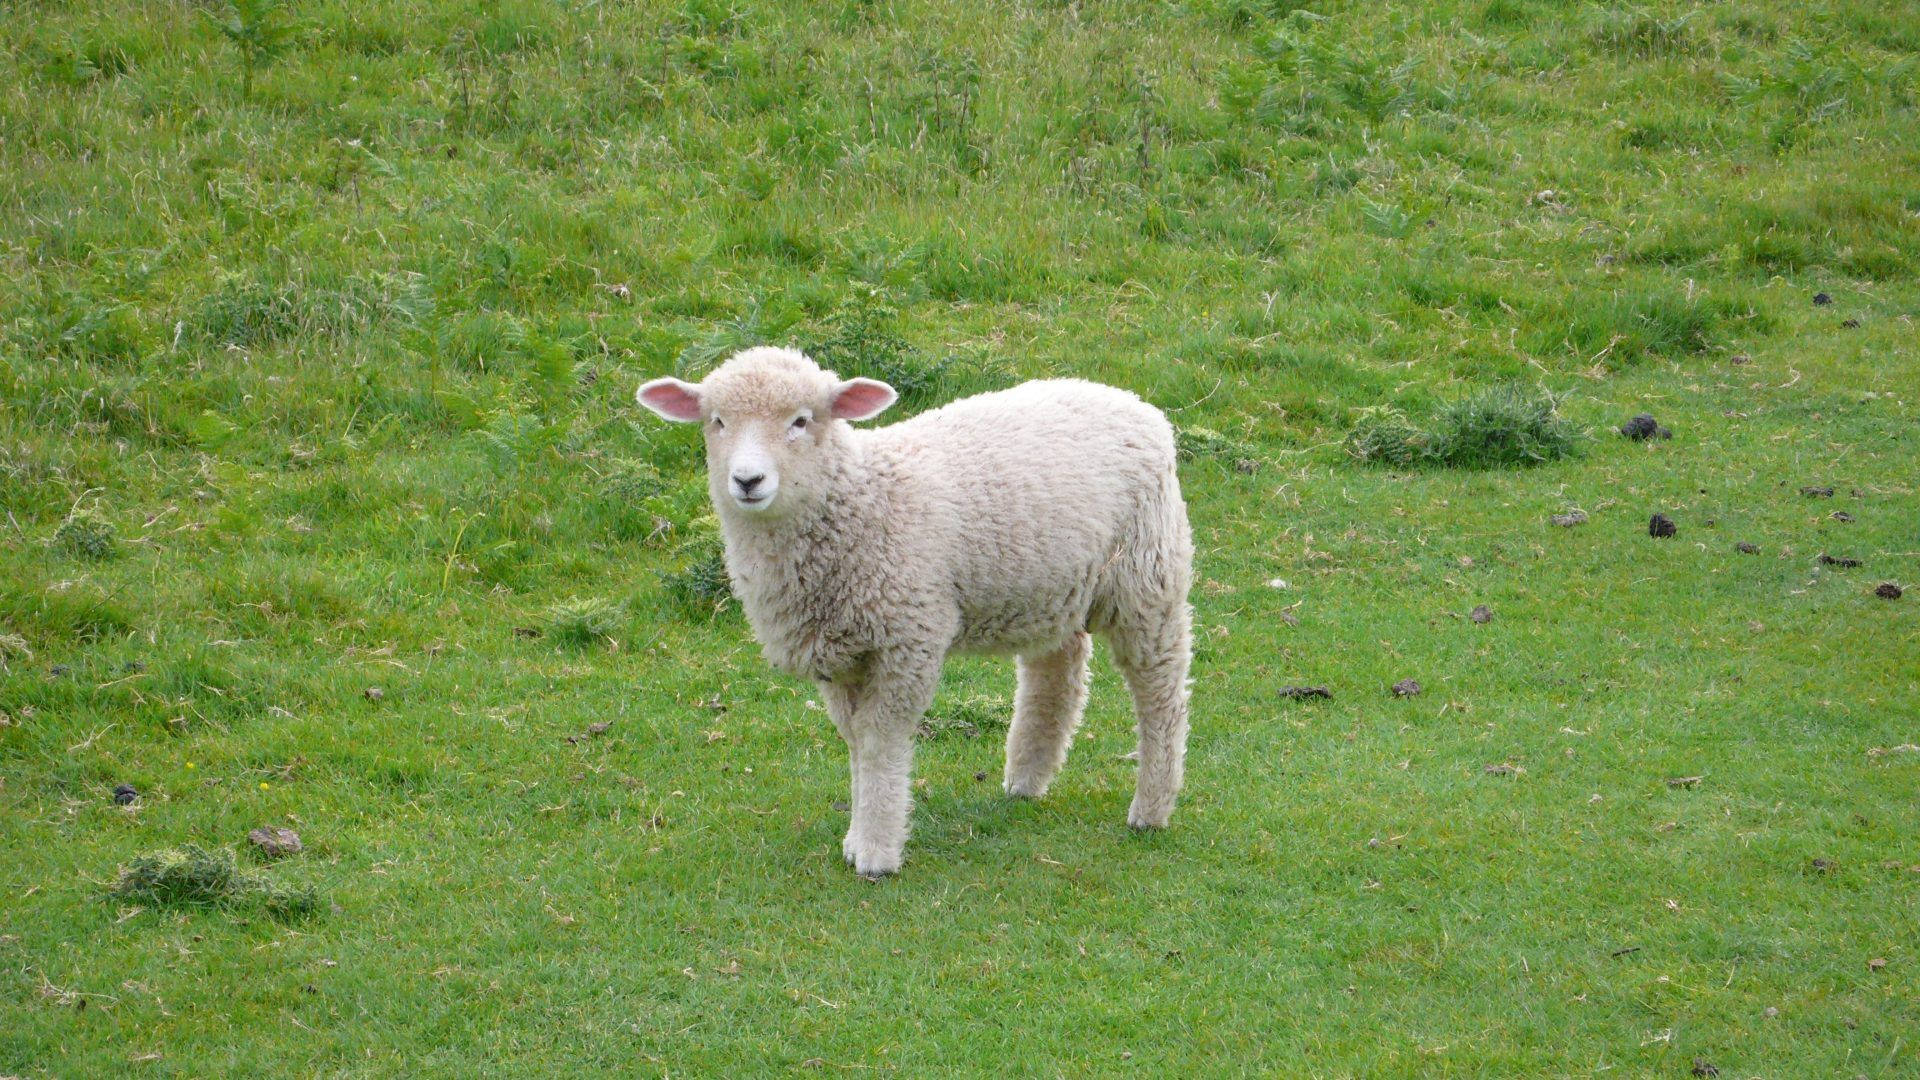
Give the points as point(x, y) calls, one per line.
point(746, 484)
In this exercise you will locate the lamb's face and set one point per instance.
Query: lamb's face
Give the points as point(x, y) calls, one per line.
point(769, 417)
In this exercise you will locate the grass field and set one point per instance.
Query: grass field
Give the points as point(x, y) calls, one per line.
point(327, 507)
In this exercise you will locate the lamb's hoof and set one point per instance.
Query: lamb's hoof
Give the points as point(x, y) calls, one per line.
point(1025, 788)
point(874, 866)
point(870, 861)
point(1143, 819)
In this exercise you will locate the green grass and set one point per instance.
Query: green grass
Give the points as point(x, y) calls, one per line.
point(316, 375)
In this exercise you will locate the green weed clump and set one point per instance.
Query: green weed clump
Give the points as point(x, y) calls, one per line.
point(1502, 426)
point(862, 340)
point(86, 534)
point(195, 876)
point(698, 579)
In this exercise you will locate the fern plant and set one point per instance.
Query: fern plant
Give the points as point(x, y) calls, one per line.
point(257, 30)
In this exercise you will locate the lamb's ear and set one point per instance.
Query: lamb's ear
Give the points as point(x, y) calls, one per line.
point(671, 398)
point(862, 399)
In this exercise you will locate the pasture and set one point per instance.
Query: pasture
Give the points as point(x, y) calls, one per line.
point(327, 507)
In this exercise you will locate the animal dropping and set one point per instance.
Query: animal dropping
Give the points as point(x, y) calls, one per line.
point(1302, 692)
point(275, 842)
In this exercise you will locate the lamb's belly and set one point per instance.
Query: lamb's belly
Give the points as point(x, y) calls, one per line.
point(1023, 623)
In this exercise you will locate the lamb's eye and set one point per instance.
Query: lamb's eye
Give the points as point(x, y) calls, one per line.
point(799, 423)
point(719, 424)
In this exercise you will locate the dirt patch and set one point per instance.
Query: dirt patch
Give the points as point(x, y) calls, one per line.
point(1842, 562)
point(1406, 688)
point(1745, 548)
point(1888, 591)
point(1569, 519)
point(1661, 526)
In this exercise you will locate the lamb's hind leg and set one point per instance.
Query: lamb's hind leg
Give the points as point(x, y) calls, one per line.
point(1046, 710)
point(1153, 654)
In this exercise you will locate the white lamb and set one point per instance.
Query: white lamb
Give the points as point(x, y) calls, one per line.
point(1012, 522)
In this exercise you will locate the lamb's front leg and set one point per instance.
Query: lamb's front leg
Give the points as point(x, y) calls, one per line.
point(886, 716)
point(843, 701)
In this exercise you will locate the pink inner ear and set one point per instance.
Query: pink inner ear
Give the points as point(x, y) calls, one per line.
point(671, 398)
point(861, 399)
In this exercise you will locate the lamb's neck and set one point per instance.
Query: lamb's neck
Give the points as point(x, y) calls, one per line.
point(781, 569)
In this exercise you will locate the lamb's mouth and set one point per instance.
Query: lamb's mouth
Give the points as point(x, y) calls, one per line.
point(757, 502)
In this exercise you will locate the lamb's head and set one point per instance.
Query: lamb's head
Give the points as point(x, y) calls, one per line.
point(773, 419)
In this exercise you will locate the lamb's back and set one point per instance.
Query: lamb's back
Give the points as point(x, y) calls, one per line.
point(1019, 497)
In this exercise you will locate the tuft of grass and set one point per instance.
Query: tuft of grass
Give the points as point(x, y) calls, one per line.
point(1385, 436)
point(970, 715)
point(86, 534)
point(193, 876)
point(14, 647)
point(1193, 443)
point(581, 621)
point(1500, 426)
point(1640, 33)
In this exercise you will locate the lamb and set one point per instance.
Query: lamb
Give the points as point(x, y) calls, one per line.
point(1011, 522)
